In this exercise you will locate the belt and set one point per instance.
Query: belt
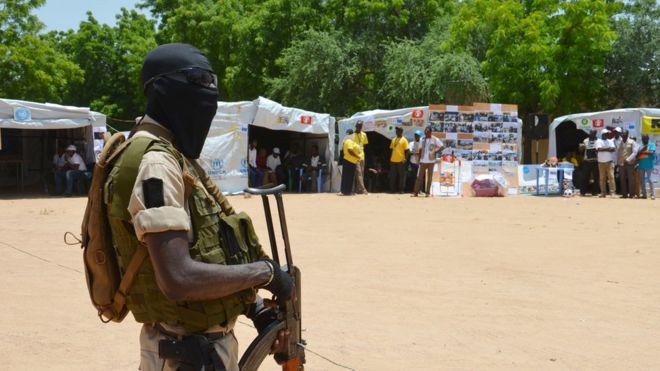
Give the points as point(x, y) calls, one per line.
point(209, 335)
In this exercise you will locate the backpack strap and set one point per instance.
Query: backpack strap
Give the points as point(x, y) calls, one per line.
point(213, 189)
point(119, 300)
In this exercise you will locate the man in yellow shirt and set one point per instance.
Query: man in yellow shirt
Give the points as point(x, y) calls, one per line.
point(360, 138)
point(399, 147)
point(351, 158)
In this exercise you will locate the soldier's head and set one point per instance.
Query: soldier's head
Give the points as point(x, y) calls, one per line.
point(182, 94)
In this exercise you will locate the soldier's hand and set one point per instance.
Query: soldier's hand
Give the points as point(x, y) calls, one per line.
point(281, 285)
point(280, 343)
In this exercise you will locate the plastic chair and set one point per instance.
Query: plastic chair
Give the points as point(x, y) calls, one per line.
point(319, 179)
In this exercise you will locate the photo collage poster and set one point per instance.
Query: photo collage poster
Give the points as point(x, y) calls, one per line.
point(484, 134)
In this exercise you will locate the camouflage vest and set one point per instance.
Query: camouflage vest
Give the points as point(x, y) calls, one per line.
point(218, 239)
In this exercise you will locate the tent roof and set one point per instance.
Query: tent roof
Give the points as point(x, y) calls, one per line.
point(274, 116)
point(589, 115)
point(577, 117)
point(47, 116)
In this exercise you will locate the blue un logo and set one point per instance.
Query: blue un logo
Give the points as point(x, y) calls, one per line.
point(217, 164)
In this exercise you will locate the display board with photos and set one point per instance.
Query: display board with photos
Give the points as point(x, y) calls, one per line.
point(486, 135)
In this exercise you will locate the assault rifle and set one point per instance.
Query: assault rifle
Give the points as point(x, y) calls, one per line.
point(288, 315)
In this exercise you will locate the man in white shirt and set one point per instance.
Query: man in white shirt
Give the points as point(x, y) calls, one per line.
point(313, 168)
point(429, 149)
point(626, 163)
point(606, 158)
point(254, 174)
point(589, 165)
point(74, 169)
point(413, 157)
point(273, 162)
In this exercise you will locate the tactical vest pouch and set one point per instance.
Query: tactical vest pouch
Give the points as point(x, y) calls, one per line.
point(107, 288)
point(238, 233)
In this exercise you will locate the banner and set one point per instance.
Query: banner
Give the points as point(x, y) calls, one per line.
point(651, 125)
point(447, 177)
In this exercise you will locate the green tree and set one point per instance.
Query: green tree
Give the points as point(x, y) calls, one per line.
point(31, 68)
point(320, 72)
point(242, 38)
point(422, 72)
point(544, 55)
point(633, 67)
point(111, 58)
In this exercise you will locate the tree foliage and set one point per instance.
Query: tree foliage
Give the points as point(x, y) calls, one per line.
point(633, 67)
point(111, 58)
point(320, 72)
point(31, 68)
point(343, 56)
point(543, 55)
point(424, 73)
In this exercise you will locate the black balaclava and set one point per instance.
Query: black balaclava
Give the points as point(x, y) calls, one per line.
point(186, 109)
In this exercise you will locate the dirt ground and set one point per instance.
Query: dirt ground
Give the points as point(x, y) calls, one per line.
point(389, 283)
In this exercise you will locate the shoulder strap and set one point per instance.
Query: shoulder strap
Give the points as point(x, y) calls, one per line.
point(119, 300)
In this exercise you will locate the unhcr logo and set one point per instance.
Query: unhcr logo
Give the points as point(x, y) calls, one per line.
point(217, 164)
point(217, 168)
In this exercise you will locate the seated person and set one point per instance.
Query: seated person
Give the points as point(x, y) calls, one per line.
point(312, 168)
point(275, 172)
point(377, 175)
point(262, 166)
point(57, 170)
point(74, 170)
point(570, 158)
point(293, 163)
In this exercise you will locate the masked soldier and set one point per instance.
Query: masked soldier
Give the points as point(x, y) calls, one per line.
point(204, 262)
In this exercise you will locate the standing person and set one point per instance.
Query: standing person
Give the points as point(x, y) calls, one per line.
point(254, 174)
point(399, 147)
point(430, 148)
point(73, 171)
point(360, 138)
point(645, 158)
point(616, 136)
point(351, 158)
point(606, 155)
point(626, 162)
point(191, 288)
point(413, 155)
point(59, 172)
point(590, 164)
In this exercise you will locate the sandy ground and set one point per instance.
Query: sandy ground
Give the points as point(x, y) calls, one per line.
point(389, 283)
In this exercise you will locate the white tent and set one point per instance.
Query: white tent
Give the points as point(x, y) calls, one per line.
point(384, 121)
point(631, 119)
point(225, 152)
point(627, 118)
point(26, 116)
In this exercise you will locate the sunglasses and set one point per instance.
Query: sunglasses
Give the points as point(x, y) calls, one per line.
point(193, 75)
